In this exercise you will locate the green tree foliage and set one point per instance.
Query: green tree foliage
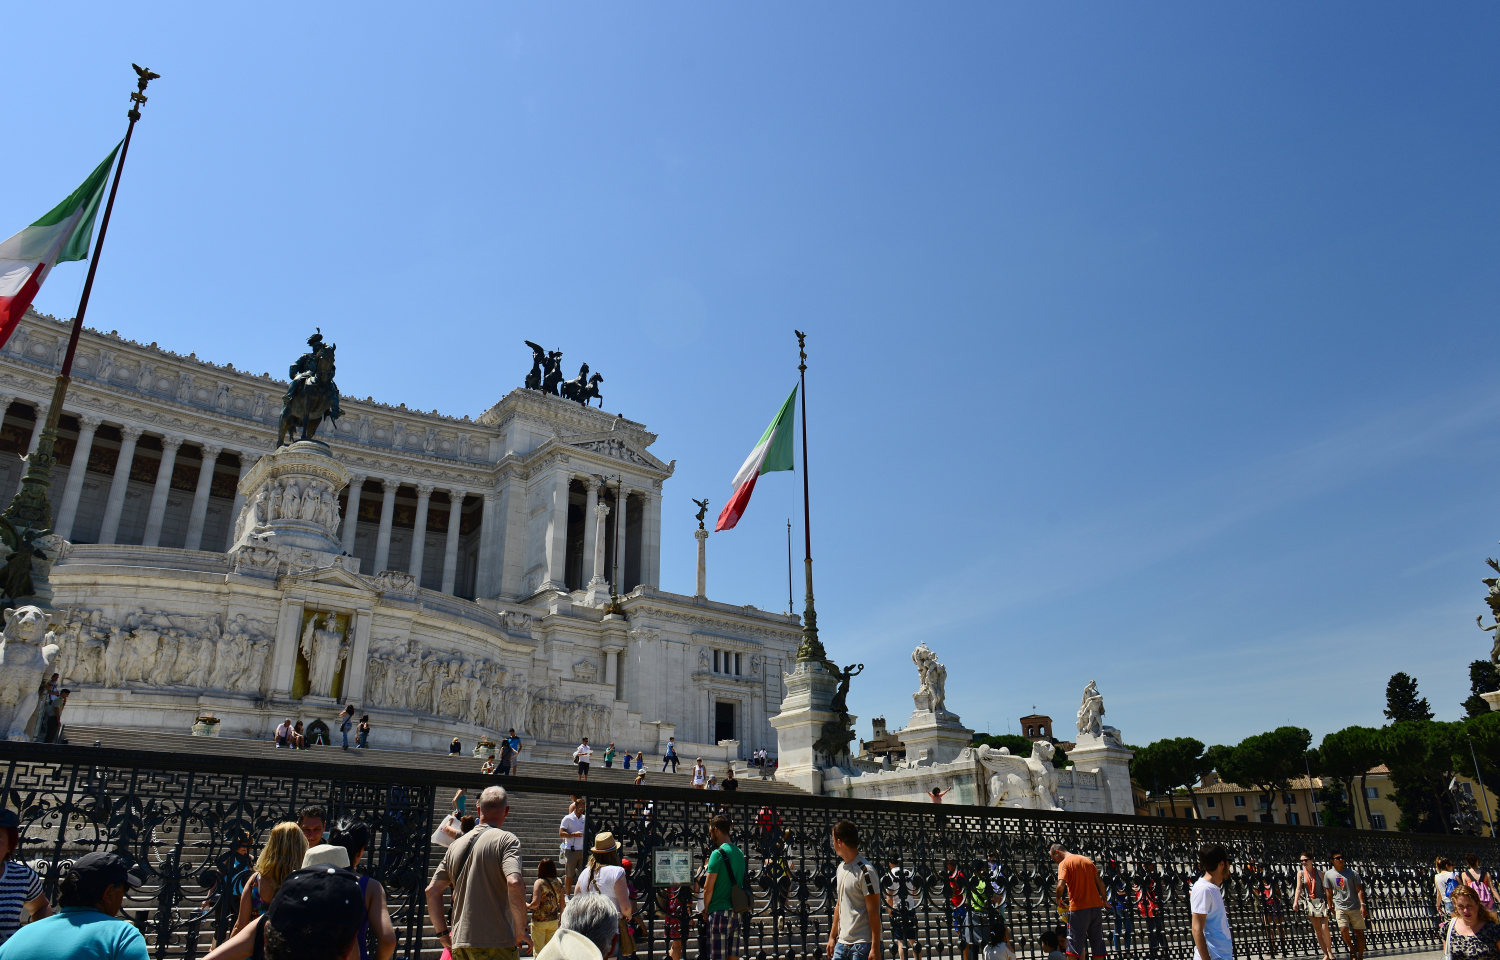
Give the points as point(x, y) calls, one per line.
point(1482, 734)
point(1019, 746)
point(1268, 761)
point(1422, 757)
point(1169, 764)
point(1483, 678)
point(1401, 701)
point(1347, 755)
point(1333, 807)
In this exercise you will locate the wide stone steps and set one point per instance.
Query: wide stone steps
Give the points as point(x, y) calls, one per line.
point(402, 759)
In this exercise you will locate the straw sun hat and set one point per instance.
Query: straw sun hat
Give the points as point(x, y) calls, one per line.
point(604, 843)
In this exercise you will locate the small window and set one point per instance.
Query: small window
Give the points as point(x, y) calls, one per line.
point(1239, 801)
point(716, 662)
point(1213, 818)
point(1467, 788)
point(1371, 793)
point(1241, 818)
point(1211, 802)
point(1028, 731)
point(736, 664)
point(1293, 819)
point(1377, 820)
point(1289, 799)
point(1267, 818)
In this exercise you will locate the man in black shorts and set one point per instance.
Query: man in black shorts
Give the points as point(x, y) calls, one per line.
point(901, 897)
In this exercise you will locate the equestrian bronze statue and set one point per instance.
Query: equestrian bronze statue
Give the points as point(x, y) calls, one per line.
point(312, 394)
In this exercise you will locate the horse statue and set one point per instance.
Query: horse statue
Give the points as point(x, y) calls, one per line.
point(584, 387)
point(312, 394)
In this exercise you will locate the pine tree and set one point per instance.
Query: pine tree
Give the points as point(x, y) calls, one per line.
point(1483, 678)
point(1402, 702)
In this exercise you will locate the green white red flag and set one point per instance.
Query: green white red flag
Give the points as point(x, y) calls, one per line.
point(772, 453)
point(62, 234)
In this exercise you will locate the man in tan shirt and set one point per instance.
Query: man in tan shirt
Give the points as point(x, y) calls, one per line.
point(489, 906)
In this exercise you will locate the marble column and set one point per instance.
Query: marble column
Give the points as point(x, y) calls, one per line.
point(36, 437)
point(489, 526)
point(36, 429)
point(351, 512)
point(598, 587)
point(109, 528)
point(419, 534)
point(450, 548)
point(622, 501)
point(247, 460)
point(387, 514)
point(68, 510)
point(557, 534)
point(590, 565)
point(200, 497)
point(651, 541)
point(158, 511)
point(702, 536)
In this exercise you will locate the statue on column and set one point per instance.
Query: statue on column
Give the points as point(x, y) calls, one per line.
point(1091, 712)
point(931, 695)
point(702, 511)
point(312, 394)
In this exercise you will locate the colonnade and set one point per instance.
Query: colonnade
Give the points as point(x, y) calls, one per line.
point(66, 507)
point(382, 557)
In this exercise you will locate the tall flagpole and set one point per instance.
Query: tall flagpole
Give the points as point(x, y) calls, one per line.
point(29, 516)
point(812, 647)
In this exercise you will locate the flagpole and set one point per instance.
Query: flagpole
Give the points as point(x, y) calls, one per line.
point(812, 647)
point(30, 515)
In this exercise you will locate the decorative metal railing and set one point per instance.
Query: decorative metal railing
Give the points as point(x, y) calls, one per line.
point(183, 818)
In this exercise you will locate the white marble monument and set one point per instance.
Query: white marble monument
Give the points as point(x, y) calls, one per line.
point(449, 576)
point(934, 732)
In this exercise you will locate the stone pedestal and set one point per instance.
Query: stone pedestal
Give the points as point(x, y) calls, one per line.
point(934, 737)
point(799, 725)
point(702, 536)
point(291, 514)
point(1109, 759)
point(1493, 699)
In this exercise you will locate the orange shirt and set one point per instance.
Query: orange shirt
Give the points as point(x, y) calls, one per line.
point(1081, 876)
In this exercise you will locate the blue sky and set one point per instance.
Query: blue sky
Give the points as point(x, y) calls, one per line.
point(1149, 344)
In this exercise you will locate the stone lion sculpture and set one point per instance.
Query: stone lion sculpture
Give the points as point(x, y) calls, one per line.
point(1027, 783)
point(24, 660)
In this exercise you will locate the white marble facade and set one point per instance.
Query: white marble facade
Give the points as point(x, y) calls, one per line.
point(459, 600)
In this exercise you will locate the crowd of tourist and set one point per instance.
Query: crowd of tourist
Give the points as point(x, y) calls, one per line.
point(303, 897)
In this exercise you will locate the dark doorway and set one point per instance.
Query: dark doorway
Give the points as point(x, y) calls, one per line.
point(723, 720)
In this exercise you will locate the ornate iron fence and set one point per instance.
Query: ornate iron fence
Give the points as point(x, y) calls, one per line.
point(972, 871)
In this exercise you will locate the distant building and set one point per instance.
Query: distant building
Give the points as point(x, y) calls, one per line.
point(884, 743)
point(1037, 727)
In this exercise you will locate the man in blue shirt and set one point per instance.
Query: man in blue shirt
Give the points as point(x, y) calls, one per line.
point(85, 926)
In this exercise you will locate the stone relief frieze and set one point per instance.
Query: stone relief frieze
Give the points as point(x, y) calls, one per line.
point(161, 649)
point(586, 671)
point(293, 499)
point(618, 449)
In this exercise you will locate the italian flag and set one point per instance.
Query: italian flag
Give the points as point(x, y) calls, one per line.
point(62, 234)
point(772, 453)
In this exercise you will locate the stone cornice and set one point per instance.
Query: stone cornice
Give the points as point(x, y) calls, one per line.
point(732, 627)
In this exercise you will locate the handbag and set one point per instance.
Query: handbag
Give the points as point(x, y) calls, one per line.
point(448, 831)
point(627, 939)
point(739, 900)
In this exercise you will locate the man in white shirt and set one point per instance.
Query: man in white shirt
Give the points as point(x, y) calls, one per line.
point(854, 931)
point(1210, 923)
point(581, 757)
point(572, 830)
point(284, 733)
point(903, 897)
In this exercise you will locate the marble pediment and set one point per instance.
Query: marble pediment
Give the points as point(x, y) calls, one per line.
point(617, 447)
point(334, 576)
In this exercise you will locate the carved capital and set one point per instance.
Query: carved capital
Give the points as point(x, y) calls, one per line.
point(590, 481)
point(6, 400)
point(171, 443)
point(131, 434)
point(424, 491)
point(210, 452)
point(358, 480)
point(457, 496)
point(87, 424)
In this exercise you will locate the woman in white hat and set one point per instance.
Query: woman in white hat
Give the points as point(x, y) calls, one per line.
point(605, 875)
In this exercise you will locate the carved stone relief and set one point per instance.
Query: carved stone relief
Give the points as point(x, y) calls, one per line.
point(161, 649)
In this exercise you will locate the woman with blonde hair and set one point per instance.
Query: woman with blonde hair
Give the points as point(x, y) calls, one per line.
point(1473, 932)
point(281, 855)
point(604, 875)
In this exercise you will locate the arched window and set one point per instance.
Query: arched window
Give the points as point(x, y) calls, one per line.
point(1028, 731)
